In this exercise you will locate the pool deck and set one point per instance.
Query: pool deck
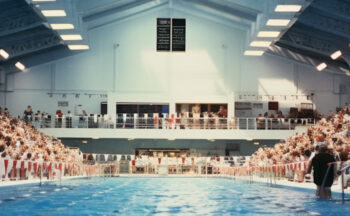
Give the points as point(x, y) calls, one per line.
point(282, 182)
point(34, 181)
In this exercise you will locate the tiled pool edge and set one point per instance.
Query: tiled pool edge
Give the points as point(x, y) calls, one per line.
point(285, 183)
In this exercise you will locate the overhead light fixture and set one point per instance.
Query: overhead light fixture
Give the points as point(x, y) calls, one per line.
point(54, 13)
point(4, 54)
point(260, 43)
point(62, 26)
point(249, 139)
point(256, 143)
point(78, 47)
point(71, 37)
point(131, 139)
point(95, 138)
point(268, 34)
point(20, 66)
point(277, 22)
point(84, 141)
point(253, 53)
point(171, 139)
point(212, 140)
point(288, 8)
point(321, 66)
point(336, 55)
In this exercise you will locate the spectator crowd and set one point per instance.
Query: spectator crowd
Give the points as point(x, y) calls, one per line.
point(333, 129)
point(22, 141)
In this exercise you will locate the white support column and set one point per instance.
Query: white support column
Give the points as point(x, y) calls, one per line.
point(172, 107)
point(231, 110)
point(231, 105)
point(112, 107)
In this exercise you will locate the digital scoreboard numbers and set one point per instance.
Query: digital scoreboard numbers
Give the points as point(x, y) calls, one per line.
point(163, 34)
point(178, 34)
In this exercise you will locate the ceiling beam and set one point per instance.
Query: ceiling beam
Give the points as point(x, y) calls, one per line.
point(32, 44)
point(113, 10)
point(291, 55)
point(324, 21)
point(221, 11)
point(338, 9)
point(188, 9)
point(126, 13)
point(312, 40)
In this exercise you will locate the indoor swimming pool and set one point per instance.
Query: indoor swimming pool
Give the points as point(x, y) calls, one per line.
point(163, 196)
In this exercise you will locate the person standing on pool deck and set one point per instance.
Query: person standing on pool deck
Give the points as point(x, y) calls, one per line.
point(323, 170)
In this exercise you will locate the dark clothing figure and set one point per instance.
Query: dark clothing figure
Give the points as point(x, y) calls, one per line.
point(320, 166)
point(91, 157)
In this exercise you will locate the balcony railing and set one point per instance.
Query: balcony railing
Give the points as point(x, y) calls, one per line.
point(169, 123)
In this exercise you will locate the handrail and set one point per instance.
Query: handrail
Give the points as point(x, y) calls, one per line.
point(217, 123)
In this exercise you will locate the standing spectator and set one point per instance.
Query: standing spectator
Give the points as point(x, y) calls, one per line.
point(28, 114)
point(69, 120)
point(323, 170)
point(59, 116)
point(6, 112)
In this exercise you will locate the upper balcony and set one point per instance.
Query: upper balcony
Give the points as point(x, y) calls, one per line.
point(133, 127)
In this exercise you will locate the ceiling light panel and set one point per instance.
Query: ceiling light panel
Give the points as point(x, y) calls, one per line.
point(71, 37)
point(288, 8)
point(62, 26)
point(260, 43)
point(4, 54)
point(268, 34)
point(278, 22)
point(321, 66)
point(336, 55)
point(78, 47)
point(54, 13)
point(253, 53)
point(20, 66)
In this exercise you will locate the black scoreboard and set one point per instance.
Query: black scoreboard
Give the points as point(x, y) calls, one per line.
point(163, 34)
point(171, 34)
point(179, 35)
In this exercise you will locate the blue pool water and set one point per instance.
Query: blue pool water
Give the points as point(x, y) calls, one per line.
point(163, 196)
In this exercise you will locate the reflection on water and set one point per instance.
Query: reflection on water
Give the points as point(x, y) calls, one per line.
point(162, 196)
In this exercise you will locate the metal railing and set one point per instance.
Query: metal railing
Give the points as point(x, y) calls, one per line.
point(170, 123)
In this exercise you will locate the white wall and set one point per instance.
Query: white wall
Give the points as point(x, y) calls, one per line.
point(210, 70)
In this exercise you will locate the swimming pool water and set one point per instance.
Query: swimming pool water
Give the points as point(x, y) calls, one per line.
point(163, 196)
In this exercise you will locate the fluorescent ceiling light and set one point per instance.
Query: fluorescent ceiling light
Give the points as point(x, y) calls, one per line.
point(253, 53)
point(260, 43)
point(336, 55)
point(249, 139)
point(4, 54)
point(171, 139)
point(321, 66)
point(62, 26)
point(131, 139)
point(288, 8)
point(277, 22)
point(71, 37)
point(268, 34)
point(84, 141)
point(78, 47)
point(20, 66)
point(95, 138)
point(54, 13)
